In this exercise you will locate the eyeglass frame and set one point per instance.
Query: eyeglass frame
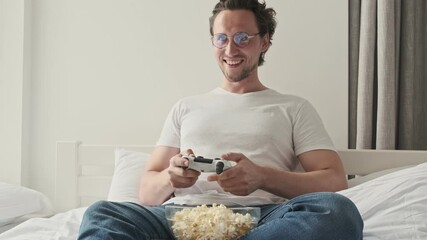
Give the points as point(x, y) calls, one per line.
point(233, 36)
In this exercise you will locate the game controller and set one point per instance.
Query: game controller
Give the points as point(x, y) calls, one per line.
point(202, 164)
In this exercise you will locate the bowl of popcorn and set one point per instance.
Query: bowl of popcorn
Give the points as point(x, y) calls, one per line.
point(211, 222)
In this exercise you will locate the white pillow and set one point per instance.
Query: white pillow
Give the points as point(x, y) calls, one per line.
point(17, 201)
point(393, 206)
point(129, 166)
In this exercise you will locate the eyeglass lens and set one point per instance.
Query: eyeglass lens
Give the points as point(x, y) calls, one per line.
point(220, 40)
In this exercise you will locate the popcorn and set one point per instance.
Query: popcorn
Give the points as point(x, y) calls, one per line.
point(216, 222)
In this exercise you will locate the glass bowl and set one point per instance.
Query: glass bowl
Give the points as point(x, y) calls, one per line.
point(211, 222)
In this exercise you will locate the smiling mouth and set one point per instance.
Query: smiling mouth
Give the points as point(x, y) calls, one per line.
point(233, 62)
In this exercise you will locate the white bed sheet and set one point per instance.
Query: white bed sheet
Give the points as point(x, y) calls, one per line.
point(17, 221)
point(64, 226)
point(393, 207)
point(7, 227)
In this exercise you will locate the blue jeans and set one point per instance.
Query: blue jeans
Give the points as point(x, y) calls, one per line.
point(311, 216)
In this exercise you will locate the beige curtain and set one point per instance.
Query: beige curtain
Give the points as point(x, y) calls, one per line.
point(387, 74)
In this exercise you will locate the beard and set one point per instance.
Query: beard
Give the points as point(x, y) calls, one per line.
point(241, 76)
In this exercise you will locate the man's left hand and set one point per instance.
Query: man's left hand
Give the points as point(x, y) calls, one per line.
point(242, 179)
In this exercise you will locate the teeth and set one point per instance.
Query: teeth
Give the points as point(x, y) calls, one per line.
point(230, 62)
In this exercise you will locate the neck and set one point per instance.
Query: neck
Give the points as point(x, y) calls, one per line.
point(243, 86)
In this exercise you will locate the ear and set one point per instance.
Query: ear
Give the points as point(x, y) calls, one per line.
point(265, 44)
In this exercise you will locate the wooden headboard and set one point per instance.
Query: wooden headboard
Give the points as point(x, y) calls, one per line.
point(84, 171)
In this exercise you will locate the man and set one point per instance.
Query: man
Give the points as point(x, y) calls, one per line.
point(267, 134)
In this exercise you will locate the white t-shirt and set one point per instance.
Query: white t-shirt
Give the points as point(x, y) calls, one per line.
point(268, 127)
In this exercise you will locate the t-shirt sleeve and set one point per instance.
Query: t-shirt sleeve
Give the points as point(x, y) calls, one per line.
point(170, 135)
point(309, 132)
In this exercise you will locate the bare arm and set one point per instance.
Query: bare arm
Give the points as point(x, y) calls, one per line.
point(324, 172)
point(163, 174)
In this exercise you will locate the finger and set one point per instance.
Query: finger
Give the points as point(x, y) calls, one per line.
point(180, 182)
point(179, 161)
point(231, 156)
point(236, 189)
point(183, 173)
point(213, 178)
point(228, 182)
point(183, 178)
point(190, 173)
point(188, 152)
point(227, 174)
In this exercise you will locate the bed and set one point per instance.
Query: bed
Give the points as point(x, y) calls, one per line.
point(390, 189)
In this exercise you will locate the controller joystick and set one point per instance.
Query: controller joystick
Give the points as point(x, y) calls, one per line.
point(219, 167)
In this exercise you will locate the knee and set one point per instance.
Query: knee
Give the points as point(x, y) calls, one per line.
point(344, 213)
point(337, 203)
point(98, 205)
point(97, 208)
point(341, 204)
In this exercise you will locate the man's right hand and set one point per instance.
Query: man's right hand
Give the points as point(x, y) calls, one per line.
point(179, 177)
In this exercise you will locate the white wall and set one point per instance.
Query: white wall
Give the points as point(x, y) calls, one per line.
point(14, 91)
point(109, 71)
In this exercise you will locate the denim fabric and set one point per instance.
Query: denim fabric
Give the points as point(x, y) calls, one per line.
point(311, 216)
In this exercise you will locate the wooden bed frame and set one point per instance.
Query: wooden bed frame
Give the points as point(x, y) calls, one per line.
point(84, 171)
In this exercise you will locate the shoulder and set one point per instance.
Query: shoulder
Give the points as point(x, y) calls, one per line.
point(294, 101)
point(283, 96)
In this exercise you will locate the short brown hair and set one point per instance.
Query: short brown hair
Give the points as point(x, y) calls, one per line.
point(265, 17)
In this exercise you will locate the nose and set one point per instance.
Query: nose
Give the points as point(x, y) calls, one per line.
point(231, 48)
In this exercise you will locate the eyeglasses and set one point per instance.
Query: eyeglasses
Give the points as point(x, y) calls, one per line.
point(241, 39)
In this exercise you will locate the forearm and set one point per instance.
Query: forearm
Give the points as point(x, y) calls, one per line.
point(291, 184)
point(155, 188)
